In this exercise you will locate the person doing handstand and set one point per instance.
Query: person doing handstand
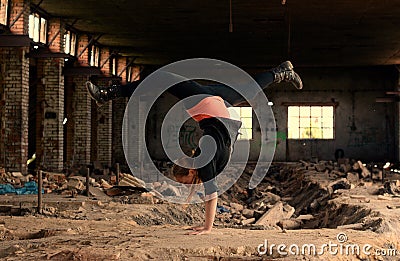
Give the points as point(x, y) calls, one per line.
point(209, 109)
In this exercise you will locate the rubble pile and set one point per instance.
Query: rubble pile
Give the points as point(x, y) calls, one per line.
point(17, 183)
point(292, 195)
point(302, 195)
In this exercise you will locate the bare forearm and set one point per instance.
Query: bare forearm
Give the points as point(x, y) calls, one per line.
point(210, 207)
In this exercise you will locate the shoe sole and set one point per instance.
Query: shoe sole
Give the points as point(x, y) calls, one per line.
point(89, 89)
point(287, 64)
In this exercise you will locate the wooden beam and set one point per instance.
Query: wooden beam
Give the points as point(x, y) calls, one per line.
point(43, 53)
point(110, 78)
point(12, 40)
point(335, 104)
point(126, 67)
point(89, 43)
point(387, 99)
point(82, 71)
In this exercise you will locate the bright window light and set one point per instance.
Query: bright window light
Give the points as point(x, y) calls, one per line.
point(245, 115)
point(310, 122)
point(3, 12)
point(94, 56)
point(69, 43)
point(37, 28)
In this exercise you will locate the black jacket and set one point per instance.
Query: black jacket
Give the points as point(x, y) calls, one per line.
point(224, 132)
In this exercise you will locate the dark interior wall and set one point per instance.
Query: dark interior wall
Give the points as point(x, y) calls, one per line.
point(353, 90)
point(187, 138)
point(364, 129)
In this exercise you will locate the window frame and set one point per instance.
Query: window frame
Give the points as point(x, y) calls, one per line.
point(38, 21)
point(249, 131)
point(94, 59)
point(6, 4)
point(331, 126)
point(114, 65)
point(72, 37)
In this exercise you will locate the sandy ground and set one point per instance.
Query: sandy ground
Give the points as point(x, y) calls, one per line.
point(103, 228)
point(107, 231)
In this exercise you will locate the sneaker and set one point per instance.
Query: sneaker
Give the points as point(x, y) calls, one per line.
point(284, 72)
point(102, 95)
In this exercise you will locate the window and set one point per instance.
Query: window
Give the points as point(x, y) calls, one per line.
point(310, 122)
point(37, 28)
point(3, 12)
point(245, 115)
point(70, 43)
point(114, 66)
point(94, 56)
point(133, 73)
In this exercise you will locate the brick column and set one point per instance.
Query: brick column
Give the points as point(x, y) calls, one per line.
point(104, 134)
point(397, 137)
point(82, 106)
point(56, 35)
point(53, 110)
point(19, 14)
point(118, 108)
point(50, 104)
point(104, 116)
point(14, 87)
point(15, 84)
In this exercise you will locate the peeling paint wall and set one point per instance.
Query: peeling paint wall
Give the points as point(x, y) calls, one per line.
point(371, 137)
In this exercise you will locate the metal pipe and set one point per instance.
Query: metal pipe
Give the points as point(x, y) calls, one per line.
point(117, 175)
point(40, 186)
point(88, 182)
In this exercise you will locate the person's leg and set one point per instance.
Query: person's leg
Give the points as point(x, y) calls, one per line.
point(182, 90)
point(185, 89)
point(283, 72)
point(102, 95)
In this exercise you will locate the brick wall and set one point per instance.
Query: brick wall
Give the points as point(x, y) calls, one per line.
point(55, 35)
point(82, 106)
point(15, 84)
point(14, 90)
point(51, 102)
point(118, 108)
point(104, 133)
point(2, 108)
point(69, 131)
point(80, 110)
point(83, 59)
point(19, 12)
